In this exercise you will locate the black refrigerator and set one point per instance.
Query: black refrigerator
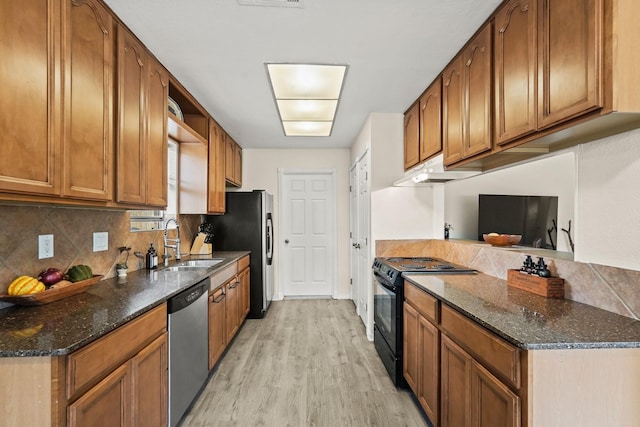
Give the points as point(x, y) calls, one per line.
point(248, 225)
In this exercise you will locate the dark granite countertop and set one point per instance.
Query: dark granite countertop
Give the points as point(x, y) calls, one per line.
point(64, 326)
point(529, 321)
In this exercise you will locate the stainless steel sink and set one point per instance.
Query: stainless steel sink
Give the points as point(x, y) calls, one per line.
point(200, 263)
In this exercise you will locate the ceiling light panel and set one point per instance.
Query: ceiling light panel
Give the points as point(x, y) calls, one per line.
point(306, 94)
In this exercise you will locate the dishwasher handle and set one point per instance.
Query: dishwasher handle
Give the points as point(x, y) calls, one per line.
point(187, 297)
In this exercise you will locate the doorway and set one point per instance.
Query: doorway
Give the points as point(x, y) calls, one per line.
point(308, 233)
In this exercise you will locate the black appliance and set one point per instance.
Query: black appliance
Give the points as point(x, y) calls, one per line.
point(388, 297)
point(247, 225)
point(532, 217)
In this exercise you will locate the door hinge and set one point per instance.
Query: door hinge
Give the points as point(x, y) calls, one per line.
point(351, 281)
point(350, 234)
point(366, 241)
point(349, 189)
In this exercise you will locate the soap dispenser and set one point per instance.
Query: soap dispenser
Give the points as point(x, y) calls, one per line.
point(151, 260)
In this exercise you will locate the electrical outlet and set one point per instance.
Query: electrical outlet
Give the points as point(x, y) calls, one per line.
point(45, 246)
point(100, 241)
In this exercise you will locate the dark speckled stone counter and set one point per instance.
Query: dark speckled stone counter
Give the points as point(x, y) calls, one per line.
point(66, 325)
point(529, 321)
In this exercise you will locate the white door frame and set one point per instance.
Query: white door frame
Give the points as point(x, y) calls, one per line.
point(333, 259)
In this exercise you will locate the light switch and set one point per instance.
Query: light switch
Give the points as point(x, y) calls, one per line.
point(45, 246)
point(100, 241)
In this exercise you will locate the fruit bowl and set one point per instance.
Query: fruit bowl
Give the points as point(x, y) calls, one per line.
point(502, 239)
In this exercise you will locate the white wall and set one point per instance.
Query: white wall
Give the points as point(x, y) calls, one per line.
point(553, 176)
point(608, 201)
point(260, 172)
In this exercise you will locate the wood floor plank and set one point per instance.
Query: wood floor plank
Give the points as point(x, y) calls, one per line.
point(307, 363)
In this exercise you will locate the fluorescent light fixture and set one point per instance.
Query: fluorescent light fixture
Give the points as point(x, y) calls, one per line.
point(306, 96)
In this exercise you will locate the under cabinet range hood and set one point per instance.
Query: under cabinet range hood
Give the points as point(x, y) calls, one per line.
point(432, 171)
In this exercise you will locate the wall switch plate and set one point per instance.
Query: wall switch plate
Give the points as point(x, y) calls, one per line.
point(45, 246)
point(100, 241)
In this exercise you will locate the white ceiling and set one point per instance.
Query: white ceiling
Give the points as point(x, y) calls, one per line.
point(217, 49)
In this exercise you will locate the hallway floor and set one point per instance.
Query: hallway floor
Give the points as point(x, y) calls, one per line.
point(307, 363)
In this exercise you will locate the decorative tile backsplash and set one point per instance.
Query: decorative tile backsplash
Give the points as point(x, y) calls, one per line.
point(609, 288)
point(73, 230)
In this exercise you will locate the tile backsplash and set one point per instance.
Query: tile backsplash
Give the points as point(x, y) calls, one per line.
point(73, 230)
point(609, 288)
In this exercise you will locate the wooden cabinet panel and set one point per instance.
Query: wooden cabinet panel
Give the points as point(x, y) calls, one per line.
point(492, 403)
point(131, 147)
point(233, 161)
point(30, 74)
point(412, 136)
point(410, 348)
point(106, 404)
point(477, 59)
point(217, 325)
point(429, 368)
point(455, 385)
point(237, 165)
point(498, 355)
point(426, 305)
point(515, 67)
point(431, 121)
point(150, 384)
point(453, 111)
point(216, 178)
point(569, 61)
point(156, 137)
point(232, 308)
point(88, 86)
point(228, 157)
point(245, 294)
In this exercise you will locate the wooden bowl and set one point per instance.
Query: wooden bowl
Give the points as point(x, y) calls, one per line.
point(502, 239)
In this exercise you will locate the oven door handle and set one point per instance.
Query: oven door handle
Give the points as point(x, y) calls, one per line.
point(384, 284)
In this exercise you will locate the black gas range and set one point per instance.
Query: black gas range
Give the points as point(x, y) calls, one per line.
point(387, 304)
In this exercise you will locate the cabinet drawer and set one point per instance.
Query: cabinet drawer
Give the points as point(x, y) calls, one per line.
point(500, 357)
point(243, 263)
point(90, 364)
point(223, 276)
point(426, 305)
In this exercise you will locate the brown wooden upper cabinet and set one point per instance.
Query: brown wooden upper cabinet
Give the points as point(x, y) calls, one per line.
point(547, 64)
point(431, 120)
point(216, 193)
point(412, 136)
point(233, 162)
point(141, 82)
point(467, 101)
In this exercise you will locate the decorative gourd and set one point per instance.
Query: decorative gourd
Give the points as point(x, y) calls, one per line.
point(25, 285)
point(78, 273)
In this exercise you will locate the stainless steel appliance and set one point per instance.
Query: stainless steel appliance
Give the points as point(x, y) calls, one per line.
point(248, 225)
point(388, 298)
point(188, 348)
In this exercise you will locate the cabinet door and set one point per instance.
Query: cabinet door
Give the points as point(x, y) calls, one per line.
point(478, 107)
point(245, 292)
point(455, 377)
point(232, 313)
point(156, 137)
point(150, 384)
point(237, 165)
point(217, 325)
point(569, 62)
point(515, 65)
point(106, 404)
point(412, 136)
point(492, 403)
point(88, 121)
point(131, 148)
point(30, 102)
point(431, 121)
point(410, 348)
point(215, 195)
point(429, 368)
point(453, 111)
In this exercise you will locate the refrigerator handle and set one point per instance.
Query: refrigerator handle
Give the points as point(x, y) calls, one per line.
point(269, 239)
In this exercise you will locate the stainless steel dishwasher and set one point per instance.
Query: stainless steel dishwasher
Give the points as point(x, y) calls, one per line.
point(188, 348)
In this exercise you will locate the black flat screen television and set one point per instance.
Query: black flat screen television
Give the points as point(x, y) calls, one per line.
point(533, 217)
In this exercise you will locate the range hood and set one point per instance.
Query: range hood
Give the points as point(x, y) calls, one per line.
point(431, 172)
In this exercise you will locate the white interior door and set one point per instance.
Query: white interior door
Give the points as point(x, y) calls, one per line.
point(353, 233)
point(363, 246)
point(308, 233)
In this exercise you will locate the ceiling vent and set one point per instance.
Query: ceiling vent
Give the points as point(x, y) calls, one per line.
point(274, 3)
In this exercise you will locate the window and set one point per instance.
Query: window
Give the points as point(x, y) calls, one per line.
point(148, 220)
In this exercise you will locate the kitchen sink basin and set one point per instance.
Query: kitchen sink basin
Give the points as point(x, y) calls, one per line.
point(195, 264)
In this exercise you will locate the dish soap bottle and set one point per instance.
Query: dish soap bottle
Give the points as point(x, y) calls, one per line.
point(151, 259)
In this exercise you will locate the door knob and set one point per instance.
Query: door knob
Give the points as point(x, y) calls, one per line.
point(286, 241)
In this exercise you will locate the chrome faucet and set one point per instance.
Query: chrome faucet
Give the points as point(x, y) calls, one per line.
point(176, 241)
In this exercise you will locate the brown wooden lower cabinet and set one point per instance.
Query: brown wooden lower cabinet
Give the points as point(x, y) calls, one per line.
point(493, 404)
point(150, 384)
point(455, 385)
point(245, 293)
point(232, 314)
point(217, 325)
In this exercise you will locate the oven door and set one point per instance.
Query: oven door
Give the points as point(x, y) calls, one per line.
point(385, 313)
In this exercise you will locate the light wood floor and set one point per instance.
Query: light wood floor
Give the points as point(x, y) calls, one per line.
point(307, 363)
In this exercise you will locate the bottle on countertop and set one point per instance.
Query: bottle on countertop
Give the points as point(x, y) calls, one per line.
point(151, 260)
